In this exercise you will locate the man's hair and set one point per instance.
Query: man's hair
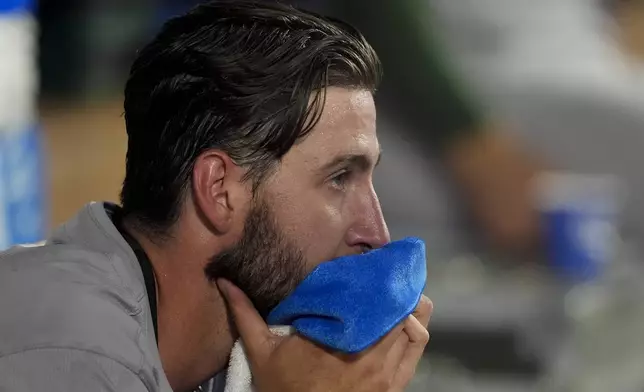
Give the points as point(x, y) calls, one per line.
point(245, 77)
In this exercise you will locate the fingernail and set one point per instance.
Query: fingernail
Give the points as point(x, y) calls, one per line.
point(224, 287)
point(231, 292)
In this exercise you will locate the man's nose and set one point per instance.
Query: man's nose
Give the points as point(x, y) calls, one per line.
point(370, 230)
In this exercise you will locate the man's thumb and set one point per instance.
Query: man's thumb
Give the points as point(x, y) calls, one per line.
point(251, 327)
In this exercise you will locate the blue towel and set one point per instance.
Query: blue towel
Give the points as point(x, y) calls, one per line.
point(349, 303)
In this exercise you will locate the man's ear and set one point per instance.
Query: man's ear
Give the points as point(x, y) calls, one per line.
point(216, 183)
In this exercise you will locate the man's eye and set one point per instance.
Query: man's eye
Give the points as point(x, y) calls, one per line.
point(340, 179)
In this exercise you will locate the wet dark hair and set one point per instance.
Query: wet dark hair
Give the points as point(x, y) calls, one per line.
point(245, 77)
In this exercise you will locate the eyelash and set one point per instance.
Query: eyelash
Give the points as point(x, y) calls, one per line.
point(339, 180)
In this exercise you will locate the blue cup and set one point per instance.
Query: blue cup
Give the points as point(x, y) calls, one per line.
point(580, 215)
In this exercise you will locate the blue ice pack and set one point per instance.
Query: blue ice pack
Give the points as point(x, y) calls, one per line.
point(351, 302)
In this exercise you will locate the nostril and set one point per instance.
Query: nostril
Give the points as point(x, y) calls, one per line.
point(364, 248)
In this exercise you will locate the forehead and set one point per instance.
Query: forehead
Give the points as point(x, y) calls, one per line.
point(347, 126)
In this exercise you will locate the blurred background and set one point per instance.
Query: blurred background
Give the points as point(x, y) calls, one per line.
point(565, 78)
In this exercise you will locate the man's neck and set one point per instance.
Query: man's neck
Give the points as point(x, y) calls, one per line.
point(194, 334)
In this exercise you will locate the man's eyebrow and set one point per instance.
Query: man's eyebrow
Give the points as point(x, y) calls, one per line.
point(360, 161)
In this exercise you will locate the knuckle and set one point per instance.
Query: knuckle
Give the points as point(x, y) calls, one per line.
point(375, 369)
point(425, 305)
point(425, 337)
point(382, 382)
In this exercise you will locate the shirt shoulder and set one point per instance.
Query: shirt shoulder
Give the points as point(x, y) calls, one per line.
point(66, 297)
point(67, 370)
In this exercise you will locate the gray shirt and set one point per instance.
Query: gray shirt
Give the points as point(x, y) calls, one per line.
point(74, 313)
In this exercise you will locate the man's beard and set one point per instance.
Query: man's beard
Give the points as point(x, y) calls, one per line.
point(264, 263)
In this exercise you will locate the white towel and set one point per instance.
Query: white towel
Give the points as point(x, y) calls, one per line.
point(238, 377)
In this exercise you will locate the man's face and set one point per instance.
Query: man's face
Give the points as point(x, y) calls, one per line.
point(320, 204)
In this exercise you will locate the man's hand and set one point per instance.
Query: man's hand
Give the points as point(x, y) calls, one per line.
point(496, 178)
point(292, 363)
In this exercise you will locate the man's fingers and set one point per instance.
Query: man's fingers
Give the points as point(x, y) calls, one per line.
point(252, 329)
point(395, 344)
point(385, 345)
point(416, 331)
point(424, 310)
point(397, 353)
point(418, 338)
